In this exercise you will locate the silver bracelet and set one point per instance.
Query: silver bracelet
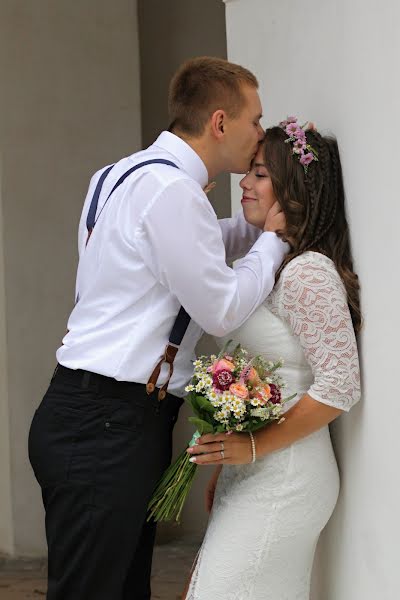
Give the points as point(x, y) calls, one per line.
point(253, 447)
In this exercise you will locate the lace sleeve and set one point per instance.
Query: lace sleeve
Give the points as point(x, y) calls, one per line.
point(312, 300)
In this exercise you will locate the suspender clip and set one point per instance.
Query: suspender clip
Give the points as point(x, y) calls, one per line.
point(171, 351)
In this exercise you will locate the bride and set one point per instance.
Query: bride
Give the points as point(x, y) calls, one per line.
point(271, 500)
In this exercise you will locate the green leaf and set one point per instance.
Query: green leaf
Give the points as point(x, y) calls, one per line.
point(221, 429)
point(258, 426)
point(202, 426)
point(224, 349)
point(205, 404)
point(192, 400)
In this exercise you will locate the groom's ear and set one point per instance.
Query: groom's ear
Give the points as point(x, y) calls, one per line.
point(217, 122)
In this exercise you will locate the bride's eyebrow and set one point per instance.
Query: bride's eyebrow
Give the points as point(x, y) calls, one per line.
point(259, 165)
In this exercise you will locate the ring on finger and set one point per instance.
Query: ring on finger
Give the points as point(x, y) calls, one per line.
point(222, 454)
point(222, 446)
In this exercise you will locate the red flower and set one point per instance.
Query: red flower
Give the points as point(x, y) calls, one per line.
point(222, 379)
point(276, 395)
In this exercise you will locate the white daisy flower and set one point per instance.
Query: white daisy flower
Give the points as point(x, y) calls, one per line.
point(255, 402)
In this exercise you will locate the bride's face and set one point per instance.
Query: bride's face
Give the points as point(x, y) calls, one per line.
point(258, 195)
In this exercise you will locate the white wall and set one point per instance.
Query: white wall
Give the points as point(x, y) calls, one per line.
point(337, 63)
point(69, 104)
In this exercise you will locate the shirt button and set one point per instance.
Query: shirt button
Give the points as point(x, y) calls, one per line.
point(108, 424)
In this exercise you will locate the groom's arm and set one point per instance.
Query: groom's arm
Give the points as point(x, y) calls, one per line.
point(180, 241)
point(238, 236)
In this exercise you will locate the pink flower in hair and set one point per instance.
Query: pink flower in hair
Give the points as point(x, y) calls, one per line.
point(292, 130)
point(297, 136)
point(301, 134)
point(306, 159)
point(299, 146)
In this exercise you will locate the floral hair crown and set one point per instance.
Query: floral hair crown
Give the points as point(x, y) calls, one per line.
point(297, 135)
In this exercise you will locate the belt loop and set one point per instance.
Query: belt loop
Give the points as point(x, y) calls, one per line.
point(86, 380)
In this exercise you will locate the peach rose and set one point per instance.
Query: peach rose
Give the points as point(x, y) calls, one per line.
point(263, 393)
point(239, 390)
point(253, 377)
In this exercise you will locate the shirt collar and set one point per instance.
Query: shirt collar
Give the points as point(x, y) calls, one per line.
point(189, 160)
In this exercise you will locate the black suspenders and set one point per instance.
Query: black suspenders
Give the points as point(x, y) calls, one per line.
point(182, 320)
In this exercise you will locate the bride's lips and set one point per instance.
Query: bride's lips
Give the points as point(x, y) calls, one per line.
point(247, 199)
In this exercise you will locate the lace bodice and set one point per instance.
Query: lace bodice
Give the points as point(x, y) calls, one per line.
point(306, 321)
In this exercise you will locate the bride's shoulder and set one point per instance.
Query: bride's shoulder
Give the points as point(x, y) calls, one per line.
point(309, 267)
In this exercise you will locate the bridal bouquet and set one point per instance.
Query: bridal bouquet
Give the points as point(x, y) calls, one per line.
point(228, 392)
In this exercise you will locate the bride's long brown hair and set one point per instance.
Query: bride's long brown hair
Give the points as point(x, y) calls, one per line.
point(314, 205)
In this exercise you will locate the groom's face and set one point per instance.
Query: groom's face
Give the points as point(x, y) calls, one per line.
point(244, 133)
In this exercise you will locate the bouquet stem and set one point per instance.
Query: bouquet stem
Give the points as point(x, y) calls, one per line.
point(170, 494)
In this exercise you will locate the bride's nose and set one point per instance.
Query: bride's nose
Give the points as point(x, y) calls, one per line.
point(245, 182)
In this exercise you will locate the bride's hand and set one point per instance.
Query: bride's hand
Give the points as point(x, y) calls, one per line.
point(275, 220)
point(222, 449)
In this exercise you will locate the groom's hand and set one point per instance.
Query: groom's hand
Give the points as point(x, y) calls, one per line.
point(275, 220)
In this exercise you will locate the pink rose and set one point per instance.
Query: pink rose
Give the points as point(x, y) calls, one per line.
point(240, 390)
point(222, 364)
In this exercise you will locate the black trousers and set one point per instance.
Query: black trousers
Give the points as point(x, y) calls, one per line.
point(98, 447)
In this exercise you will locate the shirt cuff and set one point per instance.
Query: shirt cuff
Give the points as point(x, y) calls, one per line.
point(271, 243)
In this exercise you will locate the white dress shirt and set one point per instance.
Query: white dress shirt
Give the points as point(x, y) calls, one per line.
point(158, 245)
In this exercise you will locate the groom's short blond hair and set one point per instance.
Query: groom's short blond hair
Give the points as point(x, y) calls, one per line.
point(203, 85)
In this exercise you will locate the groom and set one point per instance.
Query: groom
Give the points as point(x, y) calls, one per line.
point(149, 244)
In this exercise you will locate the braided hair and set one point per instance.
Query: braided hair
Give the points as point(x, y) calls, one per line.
point(314, 205)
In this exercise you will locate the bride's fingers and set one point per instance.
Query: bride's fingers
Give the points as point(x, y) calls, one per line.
point(275, 209)
point(211, 437)
point(211, 458)
point(206, 448)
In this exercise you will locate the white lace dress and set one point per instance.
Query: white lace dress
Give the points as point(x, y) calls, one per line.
point(267, 516)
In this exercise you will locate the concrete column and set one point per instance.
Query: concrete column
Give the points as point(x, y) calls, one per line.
point(6, 514)
point(170, 33)
point(69, 104)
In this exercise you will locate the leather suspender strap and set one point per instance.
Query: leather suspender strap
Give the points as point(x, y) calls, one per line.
point(182, 321)
point(171, 349)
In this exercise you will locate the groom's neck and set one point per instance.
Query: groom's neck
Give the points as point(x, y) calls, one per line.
point(204, 148)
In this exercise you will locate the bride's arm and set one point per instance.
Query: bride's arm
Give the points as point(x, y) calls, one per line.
point(313, 303)
point(304, 418)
